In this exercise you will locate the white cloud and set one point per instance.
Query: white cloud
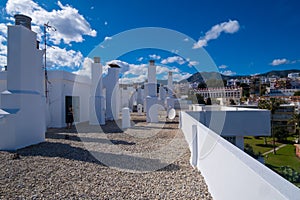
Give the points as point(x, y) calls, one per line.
point(140, 59)
point(176, 51)
point(228, 73)
point(70, 27)
point(105, 23)
point(86, 69)
point(161, 70)
point(3, 47)
point(173, 59)
point(2, 61)
point(39, 31)
point(3, 51)
point(175, 70)
point(3, 29)
point(107, 38)
point(222, 67)
point(57, 57)
point(137, 69)
point(226, 27)
point(186, 39)
point(69, 23)
point(154, 56)
point(193, 63)
point(136, 73)
point(137, 79)
point(282, 61)
point(181, 76)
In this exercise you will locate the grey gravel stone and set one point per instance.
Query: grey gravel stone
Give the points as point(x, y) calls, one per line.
point(64, 167)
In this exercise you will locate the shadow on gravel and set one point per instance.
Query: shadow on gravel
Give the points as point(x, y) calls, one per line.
point(65, 136)
point(117, 161)
point(53, 149)
point(170, 167)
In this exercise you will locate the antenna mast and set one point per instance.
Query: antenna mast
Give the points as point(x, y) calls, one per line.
point(46, 27)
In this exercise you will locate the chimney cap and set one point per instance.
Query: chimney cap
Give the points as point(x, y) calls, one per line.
point(151, 61)
point(23, 20)
point(22, 16)
point(96, 59)
point(113, 65)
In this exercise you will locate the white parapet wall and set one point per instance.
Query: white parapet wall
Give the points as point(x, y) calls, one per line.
point(229, 172)
point(232, 121)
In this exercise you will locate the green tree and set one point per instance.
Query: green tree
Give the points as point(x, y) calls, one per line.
point(208, 101)
point(202, 85)
point(272, 105)
point(200, 99)
point(296, 120)
point(232, 102)
point(297, 93)
point(290, 174)
point(246, 90)
point(280, 134)
point(249, 150)
point(262, 89)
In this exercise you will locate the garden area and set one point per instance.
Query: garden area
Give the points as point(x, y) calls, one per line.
point(284, 162)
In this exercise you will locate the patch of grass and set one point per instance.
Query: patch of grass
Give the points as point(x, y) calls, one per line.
point(258, 144)
point(284, 157)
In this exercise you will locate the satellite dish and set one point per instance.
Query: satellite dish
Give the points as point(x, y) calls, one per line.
point(172, 113)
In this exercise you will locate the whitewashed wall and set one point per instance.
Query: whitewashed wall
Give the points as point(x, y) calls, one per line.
point(64, 84)
point(61, 84)
point(24, 121)
point(3, 81)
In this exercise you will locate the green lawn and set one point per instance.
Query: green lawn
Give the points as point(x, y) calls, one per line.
point(284, 157)
point(258, 145)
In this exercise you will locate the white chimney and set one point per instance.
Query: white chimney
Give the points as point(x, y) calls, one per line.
point(152, 72)
point(170, 81)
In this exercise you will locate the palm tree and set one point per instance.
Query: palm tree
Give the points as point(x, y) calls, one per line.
point(271, 105)
point(296, 120)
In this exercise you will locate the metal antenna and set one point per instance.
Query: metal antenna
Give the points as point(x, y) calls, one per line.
point(51, 28)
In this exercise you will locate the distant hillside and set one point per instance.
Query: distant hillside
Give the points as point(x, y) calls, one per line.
point(198, 77)
point(281, 74)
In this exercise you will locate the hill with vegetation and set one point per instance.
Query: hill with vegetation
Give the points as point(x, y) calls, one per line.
point(204, 76)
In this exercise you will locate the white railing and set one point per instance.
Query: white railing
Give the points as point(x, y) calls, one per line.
point(229, 172)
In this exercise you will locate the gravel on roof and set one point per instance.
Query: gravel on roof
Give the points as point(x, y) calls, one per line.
point(148, 161)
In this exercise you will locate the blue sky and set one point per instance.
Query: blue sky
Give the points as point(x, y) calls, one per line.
point(245, 37)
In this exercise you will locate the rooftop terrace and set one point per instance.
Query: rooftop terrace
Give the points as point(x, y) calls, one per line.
point(139, 163)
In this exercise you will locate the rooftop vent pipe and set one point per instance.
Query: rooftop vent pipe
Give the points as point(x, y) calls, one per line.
point(23, 20)
point(96, 59)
